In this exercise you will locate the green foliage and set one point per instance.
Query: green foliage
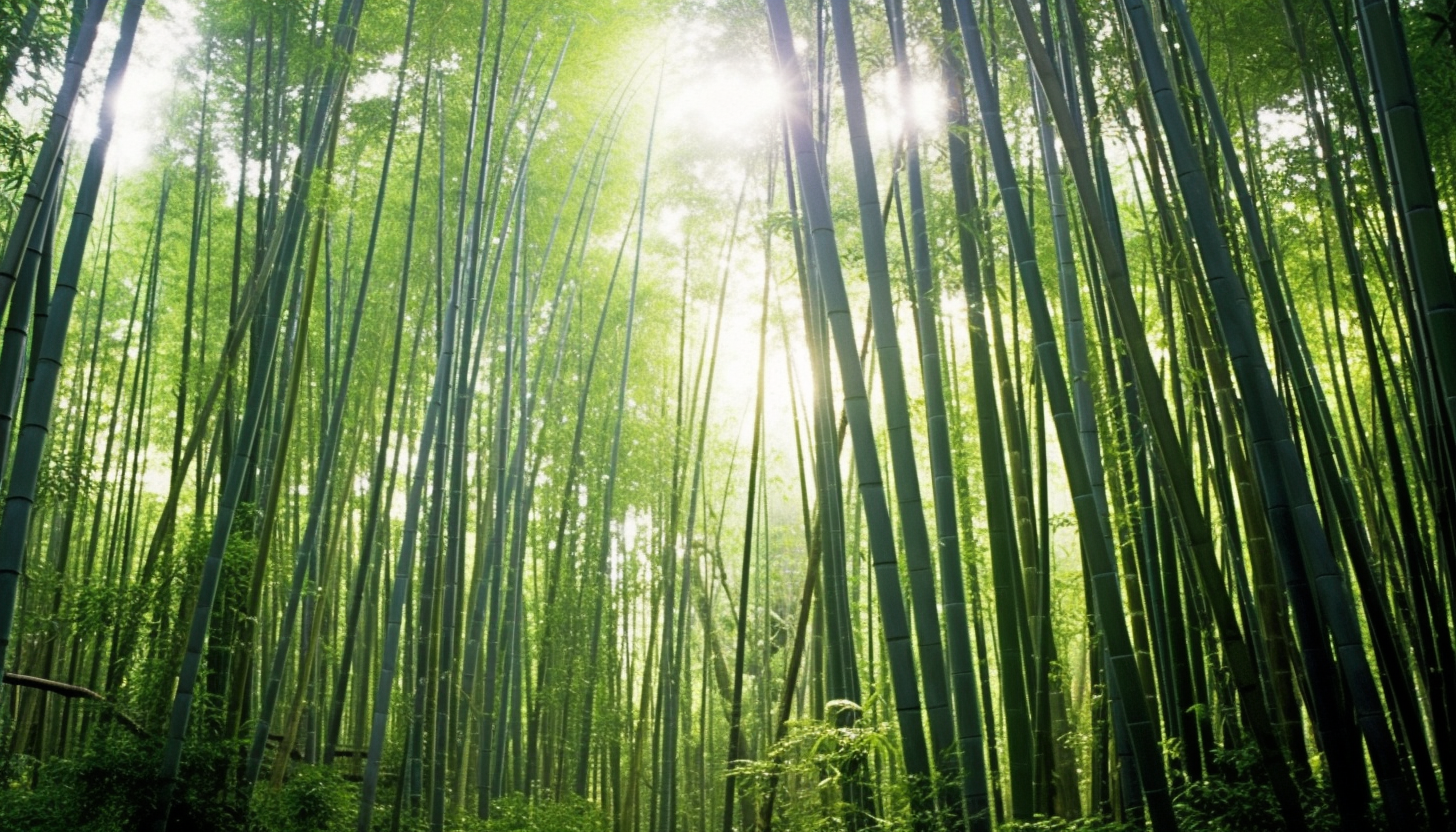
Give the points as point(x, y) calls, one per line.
point(1236, 797)
point(516, 813)
point(17, 145)
point(111, 788)
point(65, 476)
point(205, 797)
point(814, 763)
point(1063, 825)
point(27, 61)
point(103, 789)
point(237, 564)
point(810, 767)
point(314, 799)
point(1233, 797)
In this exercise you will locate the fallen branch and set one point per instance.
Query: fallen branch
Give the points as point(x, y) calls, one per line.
point(75, 692)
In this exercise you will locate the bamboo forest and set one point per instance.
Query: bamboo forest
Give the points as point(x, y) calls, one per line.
point(727, 415)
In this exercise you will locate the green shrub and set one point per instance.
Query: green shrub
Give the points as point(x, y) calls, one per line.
point(110, 787)
point(313, 799)
point(114, 786)
point(1064, 825)
point(1234, 796)
point(811, 767)
point(516, 813)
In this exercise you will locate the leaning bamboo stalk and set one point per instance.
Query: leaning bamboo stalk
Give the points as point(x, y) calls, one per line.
point(604, 540)
point(962, 680)
point(1408, 158)
point(1104, 598)
point(35, 423)
point(370, 532)
point(404, 564)
point(319, 490)
point(285, 246)
point(52, 148)
point(856, 403)
point(1301, 540)
point(23, 302)
point(737, 752)
point(1194, 526)
point(915, 536)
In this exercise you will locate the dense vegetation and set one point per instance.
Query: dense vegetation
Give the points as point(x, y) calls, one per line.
point(948, 414)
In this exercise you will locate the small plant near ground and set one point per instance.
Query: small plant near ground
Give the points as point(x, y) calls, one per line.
point(312, 799)
point(518, 813)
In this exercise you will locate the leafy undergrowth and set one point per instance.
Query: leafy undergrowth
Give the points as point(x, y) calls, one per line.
point(1232, 798)
point(517, 814)
point(114, 787)
point(99, 790)
point(809, 768)
point(1236, 797)
point(313, 798)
